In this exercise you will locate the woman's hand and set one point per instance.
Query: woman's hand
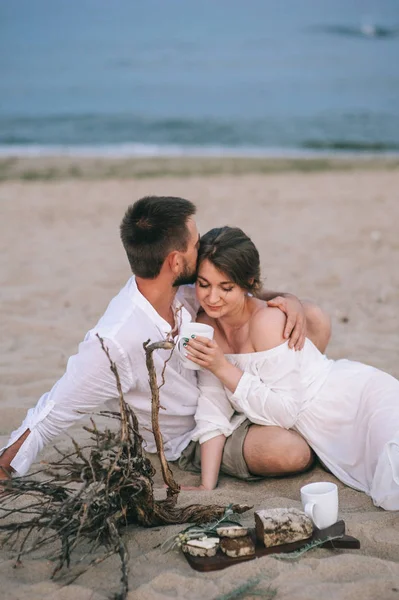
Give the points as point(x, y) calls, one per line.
point(194, 488)
point(295, 327)
point(206, 353)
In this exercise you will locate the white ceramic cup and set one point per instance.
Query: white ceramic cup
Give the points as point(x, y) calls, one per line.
point(188, 331)
point(320, 503)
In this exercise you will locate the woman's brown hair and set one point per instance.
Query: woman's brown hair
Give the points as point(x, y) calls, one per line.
point(232, 252)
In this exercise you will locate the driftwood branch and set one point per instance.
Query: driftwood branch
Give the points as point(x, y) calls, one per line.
point(89, 494)
point(173, 488)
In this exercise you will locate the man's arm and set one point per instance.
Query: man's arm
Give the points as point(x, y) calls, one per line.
point(318, 325)
point(266, 295)
point(304, 319)
point(87, 383)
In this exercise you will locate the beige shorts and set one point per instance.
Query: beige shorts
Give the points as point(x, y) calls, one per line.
point(233, 462)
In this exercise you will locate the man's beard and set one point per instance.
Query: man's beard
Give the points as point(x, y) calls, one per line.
point(186, 277)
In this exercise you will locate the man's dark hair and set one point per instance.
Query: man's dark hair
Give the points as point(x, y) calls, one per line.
point(151, 228)
point(232, 252)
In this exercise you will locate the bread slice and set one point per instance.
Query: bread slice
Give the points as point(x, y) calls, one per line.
point(206, 547)
point(239, 546)
point(232, 531)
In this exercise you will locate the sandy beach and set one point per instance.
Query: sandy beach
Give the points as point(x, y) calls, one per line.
point(329, 233)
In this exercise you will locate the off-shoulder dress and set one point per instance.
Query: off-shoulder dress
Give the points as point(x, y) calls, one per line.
point(348, 412)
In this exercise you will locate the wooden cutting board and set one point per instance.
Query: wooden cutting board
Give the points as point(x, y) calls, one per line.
point(221, 561)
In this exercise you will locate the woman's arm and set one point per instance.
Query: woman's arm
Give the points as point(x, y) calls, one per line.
point(211, 459)
point(215, 421)
point(250, 394)
point(257, 401)
point(264, 405)
point(266, 331)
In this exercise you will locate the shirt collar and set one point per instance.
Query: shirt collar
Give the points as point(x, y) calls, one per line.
point(182, 314)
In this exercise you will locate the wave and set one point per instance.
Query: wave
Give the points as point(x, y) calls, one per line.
point(367, 30)
point(133, 135)
point(93, 129)
point(124, 150)
point(351, 145)
point(119, 151)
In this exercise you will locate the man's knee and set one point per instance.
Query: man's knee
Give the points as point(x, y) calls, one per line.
point(273, 451)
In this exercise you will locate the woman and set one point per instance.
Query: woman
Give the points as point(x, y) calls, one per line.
point(348, 412)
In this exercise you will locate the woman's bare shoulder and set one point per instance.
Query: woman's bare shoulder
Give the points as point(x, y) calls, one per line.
point(267, 328)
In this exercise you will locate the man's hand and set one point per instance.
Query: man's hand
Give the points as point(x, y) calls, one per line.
point(5, 474)
point(295, 327)
point(5, 480)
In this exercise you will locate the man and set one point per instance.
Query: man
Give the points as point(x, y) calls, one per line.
point(161, 240)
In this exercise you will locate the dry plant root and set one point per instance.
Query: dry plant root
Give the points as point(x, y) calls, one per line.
point(86, 498)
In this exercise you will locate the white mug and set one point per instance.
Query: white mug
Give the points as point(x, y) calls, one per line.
point(320, 503)
point(188, 331)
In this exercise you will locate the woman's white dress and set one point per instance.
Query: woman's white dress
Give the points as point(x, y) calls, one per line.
point(347, 411)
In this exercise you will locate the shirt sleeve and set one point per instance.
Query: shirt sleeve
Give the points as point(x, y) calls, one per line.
point(215, 414)
point(87, 383)
point(263, 405)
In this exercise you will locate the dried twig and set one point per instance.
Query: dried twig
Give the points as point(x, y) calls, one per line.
point(87, 496)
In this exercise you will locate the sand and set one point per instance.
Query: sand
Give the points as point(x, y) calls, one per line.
point(331, 236)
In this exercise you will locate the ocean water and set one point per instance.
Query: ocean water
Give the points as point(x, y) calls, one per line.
point(125, 77)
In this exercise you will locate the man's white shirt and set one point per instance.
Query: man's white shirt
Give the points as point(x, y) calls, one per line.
point(88, 381)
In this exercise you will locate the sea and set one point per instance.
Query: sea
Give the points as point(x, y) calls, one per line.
point(199, 77)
